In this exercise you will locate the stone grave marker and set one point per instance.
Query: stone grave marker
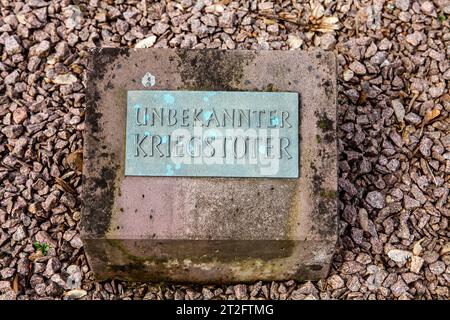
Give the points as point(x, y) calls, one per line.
point(210, 166)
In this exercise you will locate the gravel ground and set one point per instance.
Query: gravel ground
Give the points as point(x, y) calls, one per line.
point(394, 139)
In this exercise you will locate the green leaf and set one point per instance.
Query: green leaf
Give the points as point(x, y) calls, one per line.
point(43, 247)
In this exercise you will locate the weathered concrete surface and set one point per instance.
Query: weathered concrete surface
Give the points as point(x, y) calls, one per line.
point(189, 229)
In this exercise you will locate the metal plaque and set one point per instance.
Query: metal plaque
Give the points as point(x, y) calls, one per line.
point(212, 134)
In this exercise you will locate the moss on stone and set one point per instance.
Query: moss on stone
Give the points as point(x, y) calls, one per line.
point(330, 194)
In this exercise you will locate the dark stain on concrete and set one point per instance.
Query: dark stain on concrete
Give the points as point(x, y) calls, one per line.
point(315, 267)
point(99, 177)
point(102, 58)
point(328, 87)
point(212, 69)
point(109, 86)
point(324, 123)
point(325, 200)
point(317, 181)
point(271, 88)
point(99, 193)
point(329, 137)
point(133, 264)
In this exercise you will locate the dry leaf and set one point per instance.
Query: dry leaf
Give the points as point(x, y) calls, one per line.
point(67, 175)
point(15, 283)
point(317, 11)
point(21, 19)
point(330, 20)
point(326, 24)
point(406, 132)
point(179, 6)
point(67, 78)
point(445, 249)
point(417, 248)
point(75, 294)
point(288, 16)
point(75, 160)
point(269, 21)
point(431, 114)
point(35, 255)
point(309, 35)
point(76, 68)
point(218, 8)
point(67, 187)
point(405, 137)
point(52, 60)
point(247, 33)
point(362, 97)
point(146, 43)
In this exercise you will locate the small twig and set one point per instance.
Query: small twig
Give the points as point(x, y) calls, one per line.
point(427, 123)
point(416, 94)
point(279, 18)
point(431, 172)
point(67, 187)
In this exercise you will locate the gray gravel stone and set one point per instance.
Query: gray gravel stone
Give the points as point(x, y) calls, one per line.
point(399, 287)
point(413, 118)
point(402, 4)
point(240, 291)
point(376, 199)
point(358, 68)
point(227, 19)
point(209, 20)
point(20, 234)
point(9, 295)
point(353, 284)
point(327, 41)
point(12, 46)
point(12, 77)
point(6, 273)
point(410, 203)
point(40, 49)
point(12, 131)
point(159, 28)
point(53, 289)
point(53, 266)
point(336, 282)
point(19, 115)
point(425, 146)
point(76, 242)
point(437, 267)
point(207, 294)
point(427, 7)
point(399, 110)
point(416, 264)
point(414, 38)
